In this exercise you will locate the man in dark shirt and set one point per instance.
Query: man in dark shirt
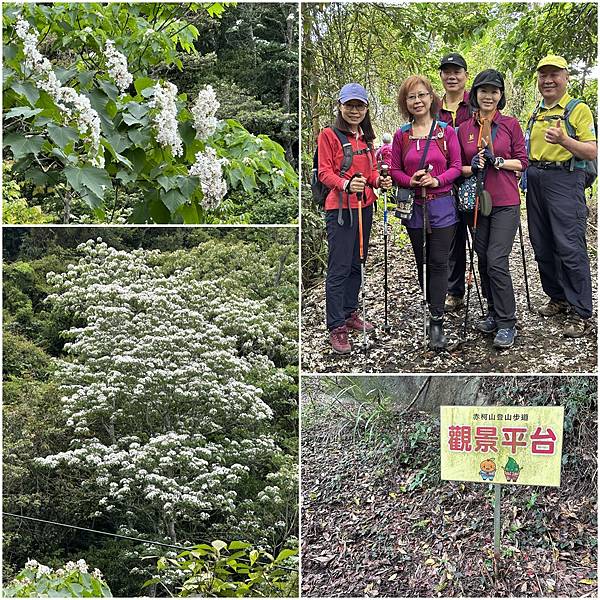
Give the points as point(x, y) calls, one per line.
point(455, 110)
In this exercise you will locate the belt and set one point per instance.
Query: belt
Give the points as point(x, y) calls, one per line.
point(551, 164)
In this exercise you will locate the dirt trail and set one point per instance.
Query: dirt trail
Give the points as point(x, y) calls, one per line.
point(539, 347)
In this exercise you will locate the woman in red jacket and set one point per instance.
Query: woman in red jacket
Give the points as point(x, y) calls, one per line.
point(341, 209)
point(501, 156)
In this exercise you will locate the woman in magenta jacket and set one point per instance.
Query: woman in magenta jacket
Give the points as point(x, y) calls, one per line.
point(495, 233)
point(419, 104)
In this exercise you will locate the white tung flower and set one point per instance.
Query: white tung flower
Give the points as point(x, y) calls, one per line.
point(117, 66)
point(165, 120)
point(204, 111)
point(72, 104)
point(209, 168)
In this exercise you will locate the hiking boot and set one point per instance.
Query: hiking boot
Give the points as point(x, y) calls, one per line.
point(576, 326)
point(339, 340)
point(355, 322)
point(505, 337)
point(453, 303)
point(487, 325)
point(553, 307)
point(437, 339)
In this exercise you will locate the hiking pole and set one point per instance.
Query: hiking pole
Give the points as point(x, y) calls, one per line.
point(425, 227)
point(524, 266)
point(359, 197)
point(471, 258)
point(386, 327)
point(471, 249)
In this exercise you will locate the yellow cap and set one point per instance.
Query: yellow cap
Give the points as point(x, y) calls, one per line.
point(552, 60)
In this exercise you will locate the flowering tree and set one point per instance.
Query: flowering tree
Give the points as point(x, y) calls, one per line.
point(163, 397)
point(101, 129)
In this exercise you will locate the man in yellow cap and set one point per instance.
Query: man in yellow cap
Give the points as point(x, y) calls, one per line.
point(561, 138)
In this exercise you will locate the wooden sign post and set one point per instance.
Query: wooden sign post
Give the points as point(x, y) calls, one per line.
point(501, 445)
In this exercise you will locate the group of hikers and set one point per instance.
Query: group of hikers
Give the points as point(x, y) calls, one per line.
point(456, 165)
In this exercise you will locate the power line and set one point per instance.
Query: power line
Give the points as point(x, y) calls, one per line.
point(116, 535)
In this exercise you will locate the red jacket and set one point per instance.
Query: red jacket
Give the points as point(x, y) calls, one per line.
point(331, 156)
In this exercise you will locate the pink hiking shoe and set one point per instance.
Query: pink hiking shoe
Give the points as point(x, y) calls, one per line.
point(355, 322)
point(339, 340)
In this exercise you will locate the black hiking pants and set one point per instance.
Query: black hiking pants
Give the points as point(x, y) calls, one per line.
point(457, 260)
point(438, 248)
point(493, 243)
point(557, 219)
point(342, 284)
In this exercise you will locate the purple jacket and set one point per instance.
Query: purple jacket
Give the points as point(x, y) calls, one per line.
point(508, 143)
point(463, 112)
point(441, 206)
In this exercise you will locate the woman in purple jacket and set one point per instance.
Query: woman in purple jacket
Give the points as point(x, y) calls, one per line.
point(503, 155)
point(432, 186)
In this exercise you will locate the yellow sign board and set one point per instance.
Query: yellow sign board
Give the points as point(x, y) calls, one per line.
point(502, 444)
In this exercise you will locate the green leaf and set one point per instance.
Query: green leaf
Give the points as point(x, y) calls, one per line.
point(167, 183)
point(62, 136)
point(139, 136)
point(141, 83)
point(21, 145)
point(76, 588)
point(237, 545)
point(92, 183)
point(150, 582)
point(219, 545)
point(190, 213)
point(253, 556)
point(173, 199)
point(28, 90)
point(109, 89)
point(285, 554)
point(22, 111)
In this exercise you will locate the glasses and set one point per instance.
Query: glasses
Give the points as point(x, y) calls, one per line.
point(420, 97)
point(358, 107)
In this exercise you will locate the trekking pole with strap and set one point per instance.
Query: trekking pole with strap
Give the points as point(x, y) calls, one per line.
point(524, 266)
point(386, 327)
point(470, 248)
point(471, 261)
point(426, 229)
point(359, 198)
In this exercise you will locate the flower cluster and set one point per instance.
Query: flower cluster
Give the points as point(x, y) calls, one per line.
point(209, 168)
point(73, 105)
point(165, 119)
point(117, 66)
point(204, 111)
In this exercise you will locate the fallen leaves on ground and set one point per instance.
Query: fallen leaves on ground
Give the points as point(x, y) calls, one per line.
point(366, 533)
point(540, 346)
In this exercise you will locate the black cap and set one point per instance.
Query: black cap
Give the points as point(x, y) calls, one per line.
point(488, 77)
point(454, 59)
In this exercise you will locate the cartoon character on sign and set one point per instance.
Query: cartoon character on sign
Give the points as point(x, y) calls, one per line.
point(488, 469)
point(512, 470)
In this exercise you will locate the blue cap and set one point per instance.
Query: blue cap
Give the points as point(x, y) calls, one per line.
point(353, 91)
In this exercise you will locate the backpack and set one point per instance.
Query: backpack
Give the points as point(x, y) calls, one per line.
point(589, 166)
point(319, 190)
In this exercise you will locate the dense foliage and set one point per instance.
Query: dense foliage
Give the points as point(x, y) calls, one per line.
point(149, 393)
point(92, 122)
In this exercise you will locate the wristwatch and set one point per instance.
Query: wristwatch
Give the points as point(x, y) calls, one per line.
point(498, 162)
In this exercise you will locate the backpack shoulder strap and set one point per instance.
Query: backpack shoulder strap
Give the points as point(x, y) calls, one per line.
point(405, 131)
point(441, 141)
point(571, 104)
point(346, 149)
